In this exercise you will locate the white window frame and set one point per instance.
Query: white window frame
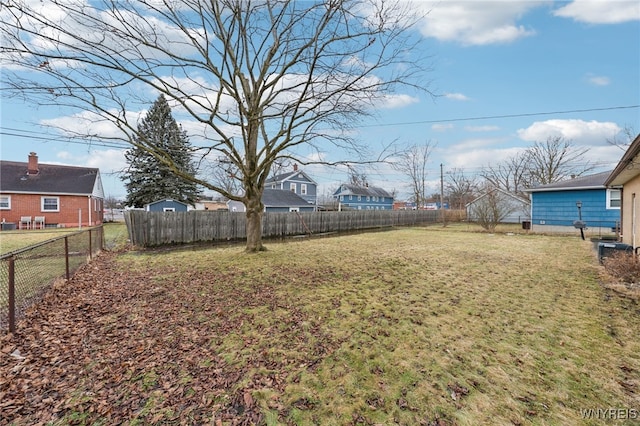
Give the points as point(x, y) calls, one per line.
point(168, 209)
point(5, 205)
point(303, 189)
point(293, 187)
point(610, 198)
point(294, 209)
point(42, 204)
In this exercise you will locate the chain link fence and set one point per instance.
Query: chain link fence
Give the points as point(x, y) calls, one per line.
point(26, 274)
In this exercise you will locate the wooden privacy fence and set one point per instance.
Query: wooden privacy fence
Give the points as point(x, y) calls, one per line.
point(149, 229)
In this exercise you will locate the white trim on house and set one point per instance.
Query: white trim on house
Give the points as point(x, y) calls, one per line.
point(43, 202)
point(5, 205)
point(610, 199)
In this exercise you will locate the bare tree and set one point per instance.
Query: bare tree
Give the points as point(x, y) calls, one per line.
point(512, 175)
point(263, 79)
point(554, 160)
point(490, 209)
point(413, 164)
point(459, 189)
point(357, 177)
point(623, 139)
point(222, 173)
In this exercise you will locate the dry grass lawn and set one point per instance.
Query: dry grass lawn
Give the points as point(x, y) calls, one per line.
point(432, 326)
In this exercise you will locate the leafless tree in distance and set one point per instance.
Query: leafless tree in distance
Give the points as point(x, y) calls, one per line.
point(556, 159)
point(512, 174)
point(490, 209)
point(413, 163)
point(459, 188)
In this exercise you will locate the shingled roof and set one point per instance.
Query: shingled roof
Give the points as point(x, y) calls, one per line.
point(595, 181)
point(49, 179)
point(282, 198)
point(373, 191)
point(628, 167)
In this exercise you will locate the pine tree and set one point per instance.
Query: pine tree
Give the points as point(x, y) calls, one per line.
point(150, 179)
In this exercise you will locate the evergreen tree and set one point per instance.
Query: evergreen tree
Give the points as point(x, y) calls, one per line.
point(149, 178)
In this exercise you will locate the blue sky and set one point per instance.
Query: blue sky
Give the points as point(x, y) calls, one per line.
point(506, 74)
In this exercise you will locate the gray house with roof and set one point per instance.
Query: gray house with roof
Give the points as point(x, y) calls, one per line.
point(511, 208)
point(276, 200)
point(367, 197)
point(297, 182)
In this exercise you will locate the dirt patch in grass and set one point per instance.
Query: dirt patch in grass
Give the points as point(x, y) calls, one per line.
point(415, 326)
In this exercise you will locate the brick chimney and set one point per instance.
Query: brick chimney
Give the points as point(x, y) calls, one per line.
point(295, 167)
point(32, 167)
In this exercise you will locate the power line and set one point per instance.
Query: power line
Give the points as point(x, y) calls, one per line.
point(405, 123)
point(493, 117)
point(57, 139)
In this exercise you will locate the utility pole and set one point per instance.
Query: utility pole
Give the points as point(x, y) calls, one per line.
point(442, 195)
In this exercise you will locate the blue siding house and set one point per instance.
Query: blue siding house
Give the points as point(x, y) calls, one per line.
point(166, 206)
point(355, 197)
point(554, 207)
point(297, 182)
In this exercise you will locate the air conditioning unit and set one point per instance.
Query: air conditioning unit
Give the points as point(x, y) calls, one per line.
point(608, 249)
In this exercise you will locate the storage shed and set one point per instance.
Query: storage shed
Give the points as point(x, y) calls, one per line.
point(167, 205)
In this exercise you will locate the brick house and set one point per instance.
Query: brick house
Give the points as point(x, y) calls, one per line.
point(36, 195)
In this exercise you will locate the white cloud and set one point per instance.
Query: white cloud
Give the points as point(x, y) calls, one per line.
point(466, 158)
point(442, 127)
point(475, 143)
point(579, 131)
point(87, 123)
point(456, 96)
point(481, 128)
point(398, 101)
point(477, 22)
point(601, 11)
point(110, 162)
point(597, 80)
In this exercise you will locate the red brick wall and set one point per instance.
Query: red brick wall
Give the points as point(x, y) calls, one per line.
point(67, 216)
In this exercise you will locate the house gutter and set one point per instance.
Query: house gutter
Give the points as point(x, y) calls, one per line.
point(573, 188)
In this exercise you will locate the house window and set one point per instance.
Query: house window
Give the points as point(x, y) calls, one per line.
point(342, 198)
point(350, 197)
point(368, 198)
point(294, 209)
point(303, 188)
point(273, 186)
point(359, 197)
point(5, 202)
point(292, 187)
point(168, 209)
point(614, 199)
point(50, 204)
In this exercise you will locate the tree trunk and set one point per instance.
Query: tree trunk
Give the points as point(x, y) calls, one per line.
point(254, 223)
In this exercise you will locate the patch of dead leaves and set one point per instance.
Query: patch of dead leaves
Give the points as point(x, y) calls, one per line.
point(114, 346)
